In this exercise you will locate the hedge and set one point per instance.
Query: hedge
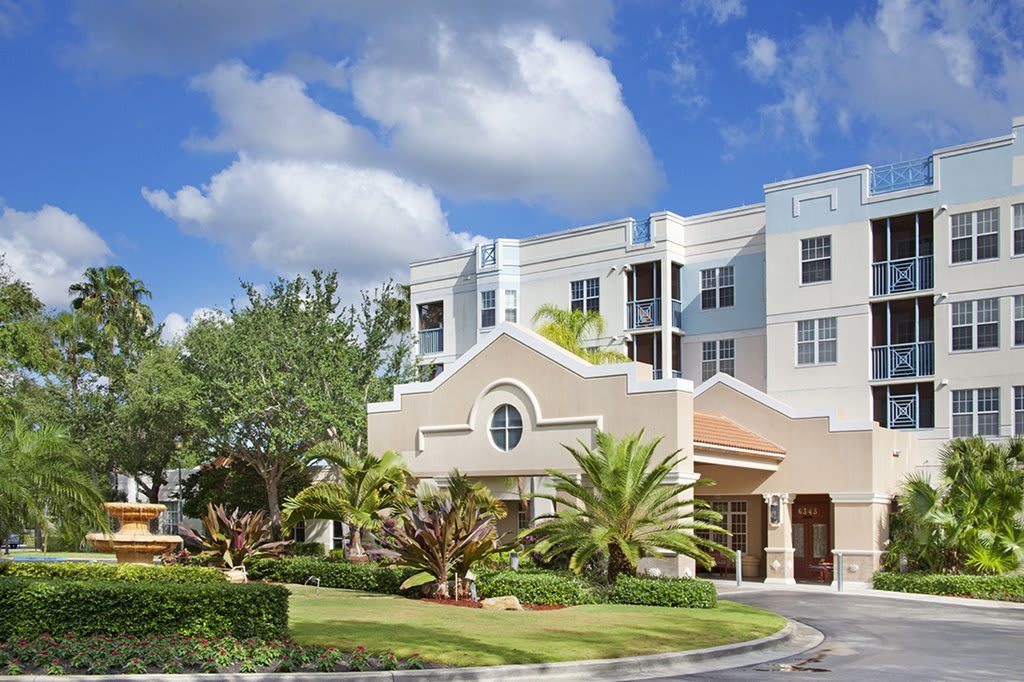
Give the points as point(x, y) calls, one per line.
point(540, 587)
point(32, 606)
point(129, 573)
point(997, 587)
point(340, 574)
point(306, 549)
point(679, 592)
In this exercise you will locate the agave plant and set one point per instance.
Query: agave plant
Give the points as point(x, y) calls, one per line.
point(232, 539)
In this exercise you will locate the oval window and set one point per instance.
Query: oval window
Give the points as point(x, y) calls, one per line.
point(506, 428)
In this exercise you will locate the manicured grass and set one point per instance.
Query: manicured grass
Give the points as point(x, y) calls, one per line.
point(31, 553)
point(452, 635)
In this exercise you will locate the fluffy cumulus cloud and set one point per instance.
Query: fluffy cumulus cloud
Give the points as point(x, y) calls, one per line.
point(908, 76)
point(175, 325)
point(49, 249)
point(762, 56)
point(294, 215)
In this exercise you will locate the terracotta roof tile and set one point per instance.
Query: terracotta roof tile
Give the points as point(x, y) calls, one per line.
point(715, 430)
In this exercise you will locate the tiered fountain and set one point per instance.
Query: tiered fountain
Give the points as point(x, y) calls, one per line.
point(133, 543)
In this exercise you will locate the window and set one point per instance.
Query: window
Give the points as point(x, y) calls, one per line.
point(522, 518)
point(487, 308)
point(506, 428)
point(816, 260)
point(511, 305)
point(586, 294)
point(975, 324)
point(718, 356)
point(1018, 320)
point(983, 421)
point(975, 235)
point(717, 288)
point(734, 520)
point(816, 341)
point(299, 532)
point(1018, 410)
point(1018, 229)
point(337, 535)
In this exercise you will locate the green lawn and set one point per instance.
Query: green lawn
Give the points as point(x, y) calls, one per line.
point(61, 555)
point(465, 637)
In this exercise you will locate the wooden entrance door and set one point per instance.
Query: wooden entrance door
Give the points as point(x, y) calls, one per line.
point(812, 538)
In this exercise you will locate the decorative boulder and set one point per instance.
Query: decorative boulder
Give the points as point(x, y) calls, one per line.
point(502, 604)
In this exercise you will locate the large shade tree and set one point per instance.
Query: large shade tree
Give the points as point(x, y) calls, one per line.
point(285, 370)
point(623, 507)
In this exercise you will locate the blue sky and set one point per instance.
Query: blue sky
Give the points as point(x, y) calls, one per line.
point(197, 143)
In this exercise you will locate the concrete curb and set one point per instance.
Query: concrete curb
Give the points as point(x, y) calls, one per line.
point(793, 639)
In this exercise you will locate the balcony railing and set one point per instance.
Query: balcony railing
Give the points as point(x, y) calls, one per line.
point(902, 360)
point(642, 314)
point(903, 412)
point(903, 275)
point(655, 373)
point(639, 231)
point(677, 314)
point(676, 374)
point(894, 177)
point(488, 255)
point(431, 341)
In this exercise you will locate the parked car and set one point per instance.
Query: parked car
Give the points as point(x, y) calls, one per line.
point(12, 541)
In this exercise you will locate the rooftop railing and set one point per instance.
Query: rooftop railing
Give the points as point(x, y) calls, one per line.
point(900, 175)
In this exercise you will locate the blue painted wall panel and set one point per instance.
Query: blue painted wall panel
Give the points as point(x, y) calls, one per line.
point(749, 311)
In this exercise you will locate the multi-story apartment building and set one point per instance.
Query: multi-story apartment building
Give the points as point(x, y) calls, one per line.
point(890, 294)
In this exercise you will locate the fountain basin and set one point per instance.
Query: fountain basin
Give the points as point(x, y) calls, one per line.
point(133, 543)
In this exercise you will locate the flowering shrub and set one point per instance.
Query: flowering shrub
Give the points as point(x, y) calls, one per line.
point(175, 654)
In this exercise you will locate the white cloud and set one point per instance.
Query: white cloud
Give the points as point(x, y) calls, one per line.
point(49, 249)
point(513, 114)
point(724, 10)
point(294, 215)
point(175, 325)
point(762, 56)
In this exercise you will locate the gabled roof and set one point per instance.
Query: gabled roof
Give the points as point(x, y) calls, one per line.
point(717, 432)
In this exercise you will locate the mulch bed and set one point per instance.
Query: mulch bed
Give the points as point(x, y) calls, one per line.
point(469, 604)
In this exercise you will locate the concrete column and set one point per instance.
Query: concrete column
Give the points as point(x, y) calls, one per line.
point(675, 565)
point(666, 315)
point(860, 525)
point(778, 555)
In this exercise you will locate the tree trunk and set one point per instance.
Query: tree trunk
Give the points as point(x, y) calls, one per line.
point(357, 542)
point(618, 563)
point(273, 506)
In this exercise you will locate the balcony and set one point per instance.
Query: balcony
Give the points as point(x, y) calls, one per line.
point(431, 341)
point(903, 412)
point(903, 360)
point(677, 314)
point(488, 255)
point(643, 314)
point(902, 276)
point(639, 231)
point(901, 175)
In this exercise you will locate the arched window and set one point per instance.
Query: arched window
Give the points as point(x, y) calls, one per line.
point(506, 428)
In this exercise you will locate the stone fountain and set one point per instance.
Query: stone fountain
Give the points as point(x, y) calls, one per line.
point(133, 543)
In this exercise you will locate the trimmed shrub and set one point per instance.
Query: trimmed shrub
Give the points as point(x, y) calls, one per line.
point(536, 587)
point(997, 587)
point(32, 606)
point(128, 573)
point(332, 573)
point(305, 549)
point(679, 592)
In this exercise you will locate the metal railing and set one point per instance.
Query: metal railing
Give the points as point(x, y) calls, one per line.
point(902, 275)
point(431, 341)
point(642, 314)
point(903, 412)
point(639, 231)
point(655, 373)
point(900, 175)
point(677, 314)
point(676, 374)
point(488, 255)
point(901, 360)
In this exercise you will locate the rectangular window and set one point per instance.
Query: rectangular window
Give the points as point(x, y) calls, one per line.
point(1018, 320)
point(816, 341)
point(337, 535)
point(1018, 410)
point(975, 235)
point(1018, 229)
point(734, 520)
point(511, 305)
point(487, 309)
point(522, 518)
point(717, 288)
point(585, 294)
point(975, 324)
point(976, 412)
point(718, 356)
point(816, 260)
point(299, 532)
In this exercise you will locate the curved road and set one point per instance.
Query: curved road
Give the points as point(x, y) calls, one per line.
point(878, 638)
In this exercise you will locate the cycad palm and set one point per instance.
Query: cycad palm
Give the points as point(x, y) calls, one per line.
point(623, 507)
point(570, 329)
point(367, 488)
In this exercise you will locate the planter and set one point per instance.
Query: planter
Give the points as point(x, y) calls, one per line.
point(751, 566)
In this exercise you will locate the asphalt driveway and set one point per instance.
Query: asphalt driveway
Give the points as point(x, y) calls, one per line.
point(874, 638)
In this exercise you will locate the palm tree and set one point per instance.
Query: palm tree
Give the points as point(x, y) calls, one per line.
point(623, 508)
point(367, 488)
point(570, 329)
point(44, 481)
point(113, 299)
point(70, 336)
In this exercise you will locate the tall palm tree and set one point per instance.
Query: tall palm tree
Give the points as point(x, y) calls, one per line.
point(367, 488)
point(571, 329)
point(44, 481)
point(112, 297)
point(69, 333)
point(622, 507)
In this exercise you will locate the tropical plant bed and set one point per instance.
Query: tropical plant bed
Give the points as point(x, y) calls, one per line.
point(471, 637)
point(470, 604)
point(46, 655)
